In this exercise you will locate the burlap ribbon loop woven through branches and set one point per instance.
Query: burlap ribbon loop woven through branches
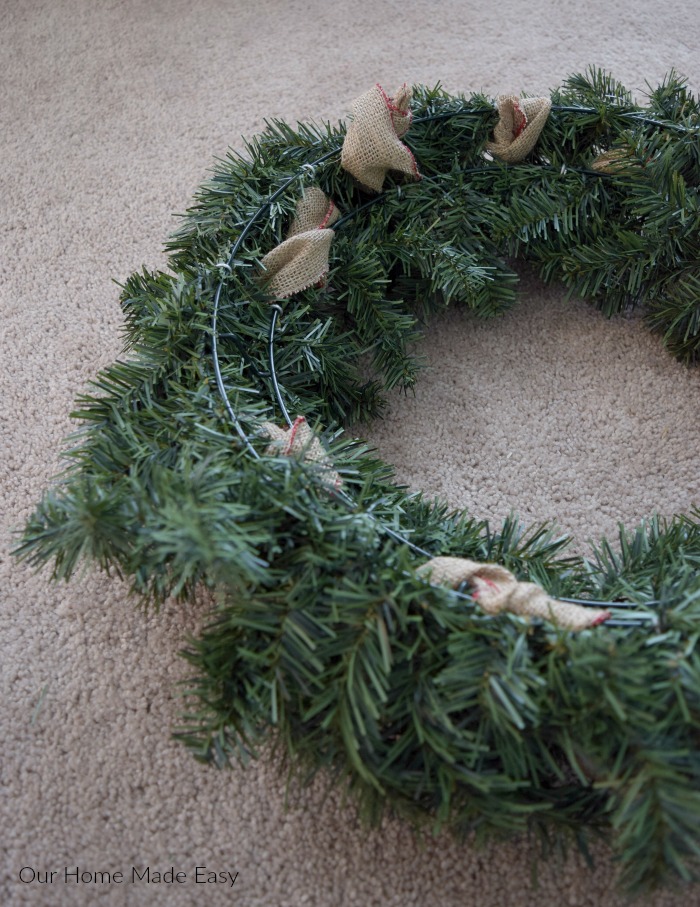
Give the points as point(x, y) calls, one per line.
point(520, 123)
point(301, 261)
point(373, 143)
point(300, 441)
point(496, 589)
point(613, 161)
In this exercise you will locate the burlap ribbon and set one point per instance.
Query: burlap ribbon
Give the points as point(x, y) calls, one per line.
point(520, 123)
point(496, 590)
point(373, 143)
point(612, 161)
point(300, 441)
point(301, 261)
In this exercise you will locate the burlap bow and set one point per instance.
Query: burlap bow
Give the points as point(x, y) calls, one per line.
point(496, 589)
point(301, 261)
point(373, 143)
point(520, 123)
point(300, 441)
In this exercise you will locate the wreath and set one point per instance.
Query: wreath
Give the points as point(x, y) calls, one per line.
point(473, 678)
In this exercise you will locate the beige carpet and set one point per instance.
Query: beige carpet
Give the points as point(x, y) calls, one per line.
point(111, 112)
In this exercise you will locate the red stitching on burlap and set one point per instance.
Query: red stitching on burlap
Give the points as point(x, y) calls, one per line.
point(392, 108)
point(606, 615)
point(521, 123)
point(292, 434)
point(329, 214)
point(476, 592)
point(417, 175)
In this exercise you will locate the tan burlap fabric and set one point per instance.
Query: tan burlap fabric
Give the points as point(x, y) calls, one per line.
point(300, 441)
point(301, 261)
point(373, 143)
point(612, 161)
point(520, 123)
point(496, 589)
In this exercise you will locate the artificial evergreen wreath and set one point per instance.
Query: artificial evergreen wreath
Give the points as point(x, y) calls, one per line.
point(377, 633)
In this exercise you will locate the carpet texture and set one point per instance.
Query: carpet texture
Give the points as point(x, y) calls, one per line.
point(111, 112)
